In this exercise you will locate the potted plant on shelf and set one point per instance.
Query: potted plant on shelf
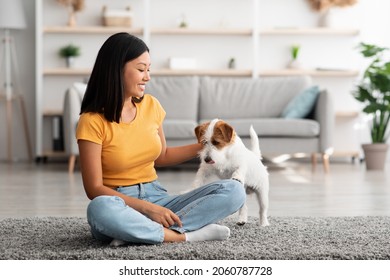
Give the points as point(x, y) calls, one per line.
point(294, 62)
point(232, 63)
point(69, 52)
point(374, 92)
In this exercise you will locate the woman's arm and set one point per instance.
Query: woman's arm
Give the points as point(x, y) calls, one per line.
point(92, 175)
point(175, 155)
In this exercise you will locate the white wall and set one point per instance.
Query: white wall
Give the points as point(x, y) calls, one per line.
point(370, 15)
point(25, 49)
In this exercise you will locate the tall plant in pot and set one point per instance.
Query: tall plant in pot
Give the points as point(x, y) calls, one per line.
point(374, 92)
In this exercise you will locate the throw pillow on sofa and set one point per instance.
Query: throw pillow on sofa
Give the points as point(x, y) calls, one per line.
point(302, 104)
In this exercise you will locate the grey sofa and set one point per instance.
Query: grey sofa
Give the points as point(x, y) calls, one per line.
point(190, 100)
point(71, 110)
point(242, 102)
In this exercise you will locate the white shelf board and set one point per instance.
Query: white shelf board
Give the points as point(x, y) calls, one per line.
point(67, 71)
point(310, 72)
point(201, 31)
point(202, 72)
point(91, 29)
point(310, 31)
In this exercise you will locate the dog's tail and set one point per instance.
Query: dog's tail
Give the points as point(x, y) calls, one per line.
point(255, 147)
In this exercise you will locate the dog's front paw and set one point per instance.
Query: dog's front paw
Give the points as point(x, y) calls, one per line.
point(264, 222)
point(242, 220)
point(242, 215)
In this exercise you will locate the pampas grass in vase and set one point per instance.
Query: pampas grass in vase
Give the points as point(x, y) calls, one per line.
point(324, 7)
point(73, 6)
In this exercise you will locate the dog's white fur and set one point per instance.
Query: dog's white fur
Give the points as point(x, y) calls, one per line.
point(225, 155)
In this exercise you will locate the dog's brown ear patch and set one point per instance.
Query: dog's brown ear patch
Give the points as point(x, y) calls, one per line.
point(200, 130)
point(223, 134)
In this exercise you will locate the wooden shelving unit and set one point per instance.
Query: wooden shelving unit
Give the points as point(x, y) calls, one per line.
point(253, 32)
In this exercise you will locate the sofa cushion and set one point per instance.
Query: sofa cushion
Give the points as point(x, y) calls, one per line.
point(248, 98)
point(179, 129)
point(276, 127)
point(302, 104)
point(179, 96)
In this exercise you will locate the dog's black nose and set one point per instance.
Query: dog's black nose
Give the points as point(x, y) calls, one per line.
point(208, 159)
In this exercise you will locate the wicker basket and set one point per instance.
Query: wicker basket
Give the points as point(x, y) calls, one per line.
point(112, 17)
point(117, 21)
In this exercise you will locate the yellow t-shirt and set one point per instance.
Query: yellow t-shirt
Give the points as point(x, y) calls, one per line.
point(128, 149)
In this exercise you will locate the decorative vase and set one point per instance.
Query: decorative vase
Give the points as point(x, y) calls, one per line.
point(375, 155)
point(294, 64)
point(339, 17)
point(331, 18)
point(324, 18)
point(72, 18)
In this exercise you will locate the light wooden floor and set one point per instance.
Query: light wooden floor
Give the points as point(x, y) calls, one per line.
point(28, 190)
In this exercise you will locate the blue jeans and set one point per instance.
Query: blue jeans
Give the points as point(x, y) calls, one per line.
point(110, 218)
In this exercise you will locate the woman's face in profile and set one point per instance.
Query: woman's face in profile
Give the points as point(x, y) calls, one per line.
point(136, 75)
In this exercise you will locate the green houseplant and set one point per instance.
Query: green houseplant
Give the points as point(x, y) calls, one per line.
point(295, 51)
point(294, 62)
point(69, 52)
point(373, 91)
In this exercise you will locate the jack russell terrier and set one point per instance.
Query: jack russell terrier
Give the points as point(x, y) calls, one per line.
point(225, 155)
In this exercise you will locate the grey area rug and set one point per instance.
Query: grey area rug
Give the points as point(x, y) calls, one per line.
point(287, 238)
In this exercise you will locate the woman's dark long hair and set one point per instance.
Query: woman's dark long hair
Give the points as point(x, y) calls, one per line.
point(105, 89)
